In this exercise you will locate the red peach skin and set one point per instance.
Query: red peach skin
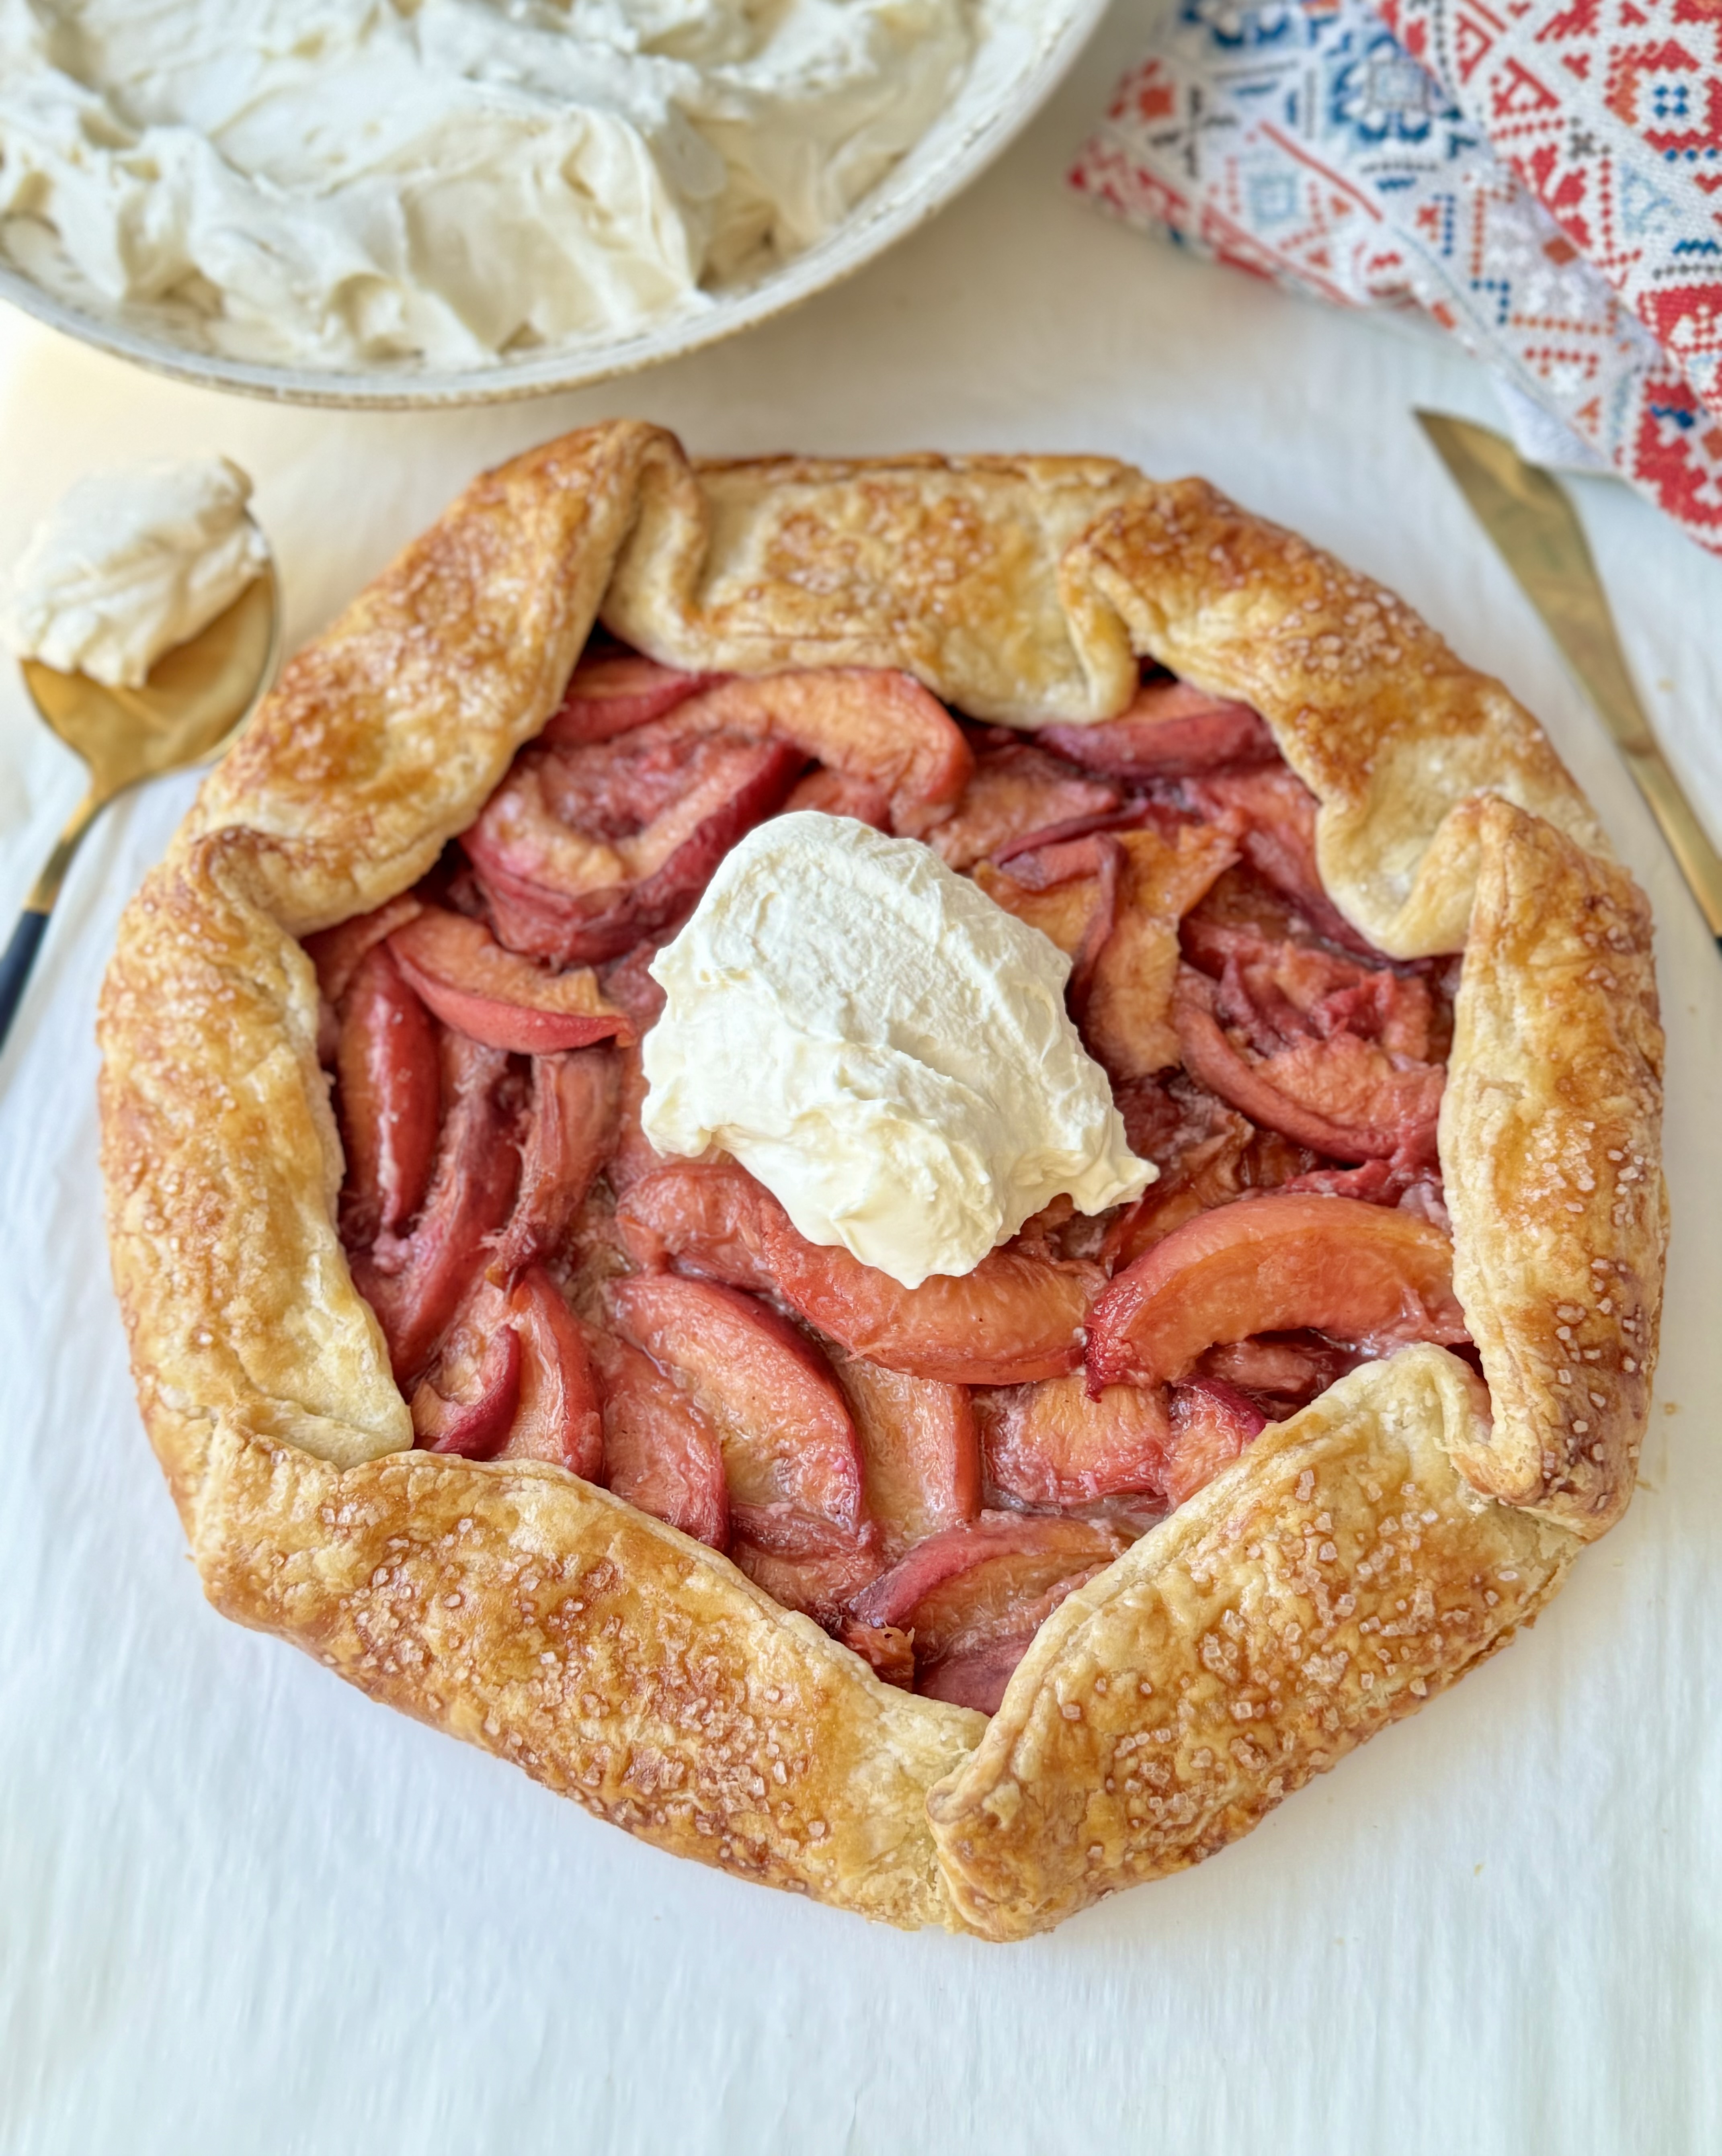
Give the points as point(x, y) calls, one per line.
point(1213, 1061)
point(559, 1418)
point(864, 723)
point(1274, 1263)
point(336, 951)
point(1052, 1444)
point(1042, 1550)
point(1014, 1319)
point(920, 1452)
point(789, 1443)
point(416, 1283)
point(1212, 1423)
point(390, 1100)
point(1171, 730)
point(1015, 792)
point(1273, 813)
point(571, 1127)
point(474, 1418)
point(494, 995)
point(616, 692)
point(661, 1450)
point(974, 1599)
point(556, 892)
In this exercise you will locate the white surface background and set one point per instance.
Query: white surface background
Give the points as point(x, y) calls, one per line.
point(243, 1909)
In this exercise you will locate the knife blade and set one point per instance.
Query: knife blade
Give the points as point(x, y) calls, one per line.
point(1529, 515)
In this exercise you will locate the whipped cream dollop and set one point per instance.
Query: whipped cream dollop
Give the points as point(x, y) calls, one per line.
point(357, 180)
point(883, 1046)
point(130, 563)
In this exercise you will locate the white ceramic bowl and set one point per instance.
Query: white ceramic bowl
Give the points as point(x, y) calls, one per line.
point(1023, 48)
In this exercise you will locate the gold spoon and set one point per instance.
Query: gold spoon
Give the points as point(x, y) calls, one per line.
point(198, 697)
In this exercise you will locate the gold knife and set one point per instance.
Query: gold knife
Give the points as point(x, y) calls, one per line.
point(1528, 515)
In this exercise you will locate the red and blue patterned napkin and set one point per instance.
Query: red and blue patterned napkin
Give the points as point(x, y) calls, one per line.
point(1543, 179)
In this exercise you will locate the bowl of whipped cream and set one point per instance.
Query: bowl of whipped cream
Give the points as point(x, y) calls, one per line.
point(425, 202)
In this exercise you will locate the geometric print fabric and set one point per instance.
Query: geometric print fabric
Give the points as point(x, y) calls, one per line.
point(1323, 146)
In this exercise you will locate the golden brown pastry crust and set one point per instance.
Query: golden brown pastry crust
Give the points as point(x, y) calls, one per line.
point(1334, 1577)
point(632, 1668)
point(1548, 1130)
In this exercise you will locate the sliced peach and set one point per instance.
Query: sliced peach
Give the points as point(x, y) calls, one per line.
point(571, 1127)
point(710, 1217)
point(1171, 729)
point(1094, 862)
point(787, 1435)
point(494, 995)
point(975, 1670)
point(874, 727)
point(834, 793)
point(336, 951)
point(820, 1585)
point(627, 983)
point(1051, 1445)
point(559, 1417)
point(581, 853)
point(920, 1452)
point(867, 723)
point(1126, 1014)
point(1042, 1235)
point(1035, 1552)
point(416, 1283)
point(1280, 1372)
point(390, 1100)
point(1393, 1009)
point(659, 1448)
point(1067, 914)
point(1212, 1422)
point(1356, 1085)
point(1199, 1146)
point(1278, 991)
point(467, 1406)
point(977, 1674)
point(1243, 912)
point(1337, 1092)
point(1014, 1319)
point(1113, 900)
point(1236, 1162)
point(633, 1155)
point(888, 1653)
point(972, 1599)
point(615, 691)
point(1126, 1018)
point(1409, 1180)
point(1274, 1263)
point(1273, 813)
point(1013, 791)
point(1215, 1061)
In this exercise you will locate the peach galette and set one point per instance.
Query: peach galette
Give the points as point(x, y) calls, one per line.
point(951, 1595)
point(927, 1470)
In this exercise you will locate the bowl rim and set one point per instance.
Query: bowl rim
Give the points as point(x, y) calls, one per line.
point(902, 202)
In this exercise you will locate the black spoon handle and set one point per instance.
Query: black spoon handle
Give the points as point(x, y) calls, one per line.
point(15, 966)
